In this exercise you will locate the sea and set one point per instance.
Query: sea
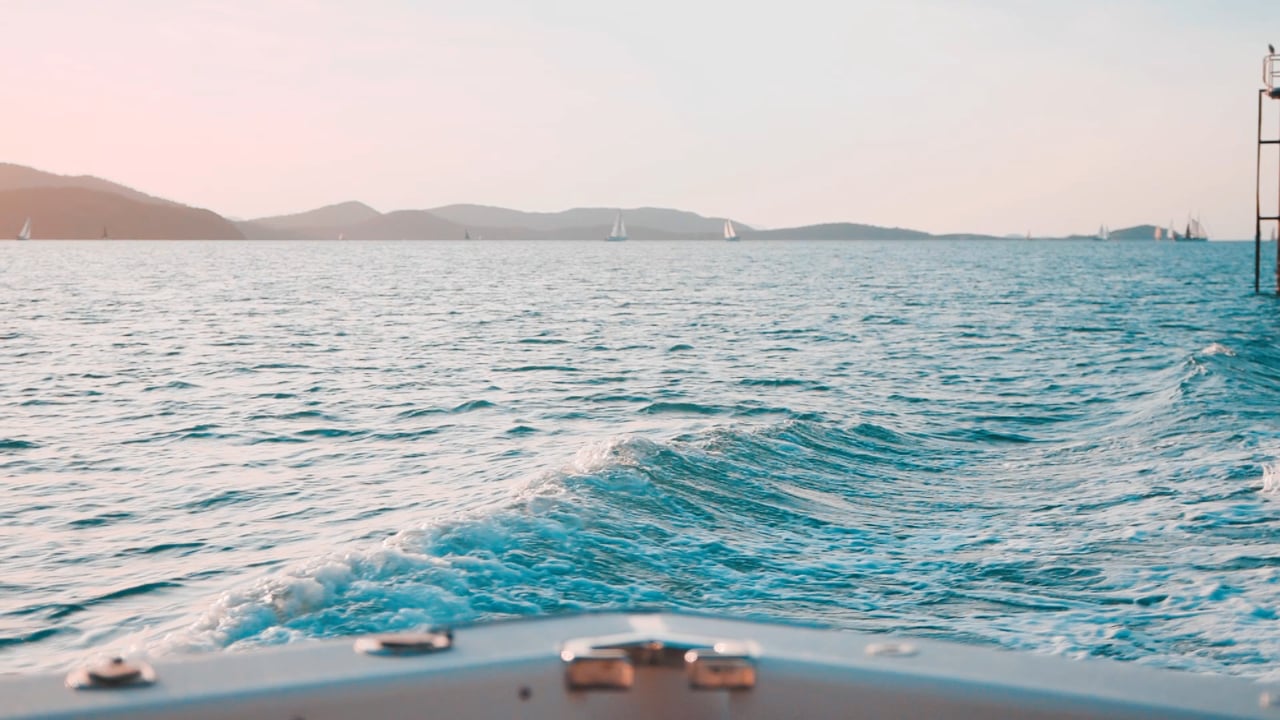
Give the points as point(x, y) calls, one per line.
point(1064, 448)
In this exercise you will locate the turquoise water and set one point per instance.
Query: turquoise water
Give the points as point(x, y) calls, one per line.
point(1064, 448)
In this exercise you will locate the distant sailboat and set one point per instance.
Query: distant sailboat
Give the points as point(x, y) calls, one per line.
point(1195, 232)
point(1159, 233)
point(105, 236)
point(729, 232)
point(466, 234)
point(619, 232)
point(1104, 233)
point(25, 232)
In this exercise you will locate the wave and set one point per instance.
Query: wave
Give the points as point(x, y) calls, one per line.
point(783, 383)
point(539, 368)
point(681, 408)
point(721, 520)
point(472, 405)
point(132, 590)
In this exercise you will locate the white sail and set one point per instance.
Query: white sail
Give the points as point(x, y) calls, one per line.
point(619, 231)
point(1159, 232)
point(1195, 230)
point(25, 232)
point(729, 232)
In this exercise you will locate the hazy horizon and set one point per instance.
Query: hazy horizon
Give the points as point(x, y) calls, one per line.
point(979, 116)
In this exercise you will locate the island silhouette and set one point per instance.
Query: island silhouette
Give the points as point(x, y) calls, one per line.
point(87, 207)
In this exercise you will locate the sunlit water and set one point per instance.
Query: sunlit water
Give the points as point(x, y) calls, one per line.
point(1059, 447)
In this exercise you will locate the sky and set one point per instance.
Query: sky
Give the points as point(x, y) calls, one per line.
point(987, 116)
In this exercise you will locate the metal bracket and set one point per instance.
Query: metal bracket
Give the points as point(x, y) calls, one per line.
point(406, 643)
point(115, 673)
point(722, 667)
point(609, 663)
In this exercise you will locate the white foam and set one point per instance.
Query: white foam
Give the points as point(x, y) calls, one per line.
point(274, 600)
point(621, 450)
point(1218, 349)
point(1271, 479)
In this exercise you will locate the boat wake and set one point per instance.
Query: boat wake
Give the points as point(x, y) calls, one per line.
point(750, 522)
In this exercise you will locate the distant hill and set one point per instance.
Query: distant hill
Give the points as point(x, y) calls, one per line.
point(357, 221)
point(76, 213)
point(80, 206)
point(1137, 232)
point(403, 225)
point(665, 221)
point(256, 231)
point(837, 231)
point(18, 177)
point(454, 222)
point(339, 215)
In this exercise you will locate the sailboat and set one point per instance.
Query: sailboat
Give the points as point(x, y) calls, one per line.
point(619, 231)
point(1195, 232)
point(466, 234)
point(1159, 233)
point(25, 232)
point(1103, 233)
point(729, 232)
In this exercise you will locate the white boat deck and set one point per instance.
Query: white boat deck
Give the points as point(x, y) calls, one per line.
point(640, 665)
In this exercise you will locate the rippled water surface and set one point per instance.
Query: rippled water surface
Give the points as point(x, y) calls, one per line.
point(1064, 447)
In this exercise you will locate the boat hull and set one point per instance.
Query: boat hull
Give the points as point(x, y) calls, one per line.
point(643, 665)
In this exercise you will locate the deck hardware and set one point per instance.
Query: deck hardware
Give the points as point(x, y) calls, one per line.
point(891, 649)
point(725, 666)
point(406, 643)
point(598, 669)
point(610, 662)
point(115, 673)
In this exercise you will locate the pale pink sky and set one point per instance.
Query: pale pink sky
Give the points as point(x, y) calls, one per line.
point(942, 115)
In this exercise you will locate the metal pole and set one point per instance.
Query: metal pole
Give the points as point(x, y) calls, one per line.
point(1257, 204)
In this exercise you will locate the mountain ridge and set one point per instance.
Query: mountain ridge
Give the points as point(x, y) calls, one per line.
point(77, 213)
point(60, 208)
point(21, 177)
